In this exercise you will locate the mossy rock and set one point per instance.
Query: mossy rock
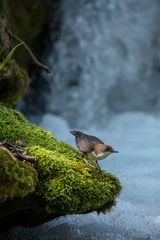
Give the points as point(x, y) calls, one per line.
point(14, 82)
point(17, 179)
point(66, 185)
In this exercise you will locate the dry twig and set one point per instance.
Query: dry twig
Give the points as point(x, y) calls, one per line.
point(34, 59)
point(17, 151)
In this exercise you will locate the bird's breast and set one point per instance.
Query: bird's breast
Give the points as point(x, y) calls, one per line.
point(99, 156)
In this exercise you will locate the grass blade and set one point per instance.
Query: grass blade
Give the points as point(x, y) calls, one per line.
point(9, 56)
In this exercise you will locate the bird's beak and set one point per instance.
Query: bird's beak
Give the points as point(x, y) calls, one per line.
point(114, 151)
point(72, 132)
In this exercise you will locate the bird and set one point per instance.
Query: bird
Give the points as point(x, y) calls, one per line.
point(92, 147)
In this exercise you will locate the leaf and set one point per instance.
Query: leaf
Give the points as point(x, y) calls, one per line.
point(9, 56)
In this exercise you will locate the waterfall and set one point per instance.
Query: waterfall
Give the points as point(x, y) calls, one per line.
point(106, 60)
point(107, 80)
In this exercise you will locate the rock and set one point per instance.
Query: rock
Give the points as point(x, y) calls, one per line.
point(14, 82)
point(66, 185)
point(17, 179)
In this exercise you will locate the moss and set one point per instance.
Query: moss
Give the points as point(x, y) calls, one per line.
point(13, 83)
point(17, 179)
point(72, 186)
point(66, 184)
point(14, 80)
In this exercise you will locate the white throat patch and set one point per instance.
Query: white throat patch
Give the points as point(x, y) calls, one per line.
point(98, 156)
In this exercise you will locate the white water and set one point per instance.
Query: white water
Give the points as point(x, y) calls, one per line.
point(106, 60)
point(104, 64)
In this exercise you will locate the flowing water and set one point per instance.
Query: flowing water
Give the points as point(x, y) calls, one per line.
point(107, 83)
point(106, 60)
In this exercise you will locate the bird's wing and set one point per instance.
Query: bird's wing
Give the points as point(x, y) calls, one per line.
point(95, 139)
point(84, 146)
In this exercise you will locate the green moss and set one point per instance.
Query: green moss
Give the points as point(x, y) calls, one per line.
point(66, 183)
point(13, 83)
point(17, 179)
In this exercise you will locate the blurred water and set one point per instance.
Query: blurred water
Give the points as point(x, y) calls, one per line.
point(106, 60)
point(107, 82)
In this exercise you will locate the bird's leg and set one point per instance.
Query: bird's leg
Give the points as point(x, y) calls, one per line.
point(100, 170)
point(88, 163)
point(98, 166)
point(83, 155)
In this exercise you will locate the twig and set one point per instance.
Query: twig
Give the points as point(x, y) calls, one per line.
point(24, 157)
point(87, 162)
point(35, 60)
point(16, 149)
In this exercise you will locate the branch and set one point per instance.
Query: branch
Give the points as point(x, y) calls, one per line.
point(34, 59)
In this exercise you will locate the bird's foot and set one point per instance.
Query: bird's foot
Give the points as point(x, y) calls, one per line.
point(101, 172)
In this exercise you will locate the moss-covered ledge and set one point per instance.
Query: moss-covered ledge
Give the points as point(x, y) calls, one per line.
point(66, 185)
point(17, 179)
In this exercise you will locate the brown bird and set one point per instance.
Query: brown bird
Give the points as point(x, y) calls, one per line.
point(92, 147)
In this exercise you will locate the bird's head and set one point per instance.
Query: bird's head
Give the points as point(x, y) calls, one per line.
point(76, 133)
point(110, 149)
